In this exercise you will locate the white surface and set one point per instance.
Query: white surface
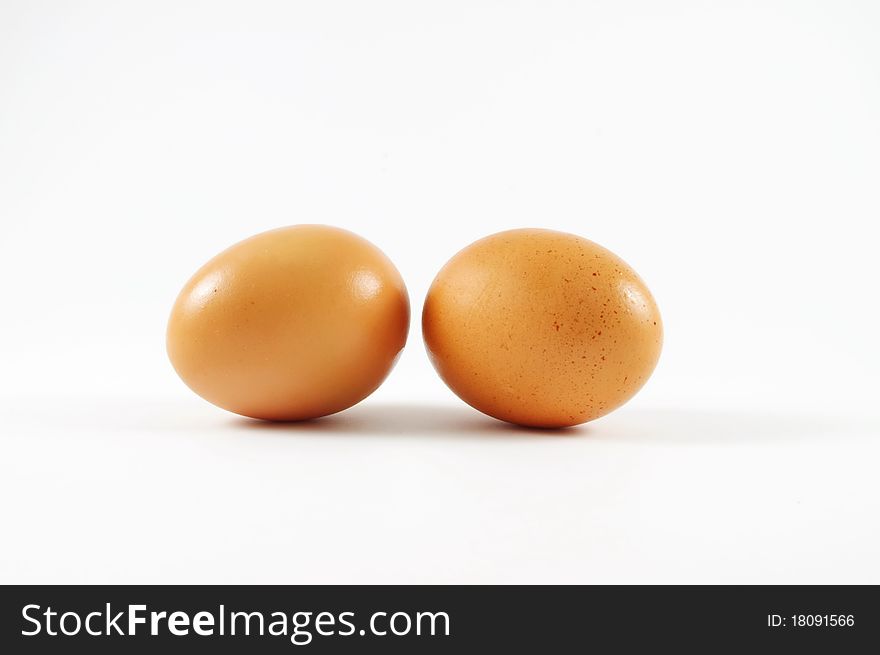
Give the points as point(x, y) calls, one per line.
point(730, 152)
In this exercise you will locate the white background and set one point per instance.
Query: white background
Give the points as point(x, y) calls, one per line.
point(729, 151)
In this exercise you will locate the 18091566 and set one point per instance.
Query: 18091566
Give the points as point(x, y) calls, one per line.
point(822, 620)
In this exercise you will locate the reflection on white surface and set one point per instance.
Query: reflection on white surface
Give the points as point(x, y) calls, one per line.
point(654, 427)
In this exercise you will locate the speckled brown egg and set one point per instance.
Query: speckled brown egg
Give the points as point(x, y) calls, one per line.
point(291, 324)
point(541, 328)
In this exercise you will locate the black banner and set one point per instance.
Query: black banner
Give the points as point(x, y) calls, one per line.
point(386, 619)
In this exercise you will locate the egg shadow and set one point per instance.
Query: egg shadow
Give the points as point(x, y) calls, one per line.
point(404, 419)
point(636, 426)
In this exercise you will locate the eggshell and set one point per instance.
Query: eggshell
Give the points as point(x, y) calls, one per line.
point(291, 324)
point(541, 328)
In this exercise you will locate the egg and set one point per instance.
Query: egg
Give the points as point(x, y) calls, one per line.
point(291, 324)
point(541, 328)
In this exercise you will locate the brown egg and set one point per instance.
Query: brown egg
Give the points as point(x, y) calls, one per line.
point(291, 324)
point(541, 328)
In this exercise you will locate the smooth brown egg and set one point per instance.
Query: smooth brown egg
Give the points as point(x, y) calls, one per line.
point(291, 324)
point(541, 328)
